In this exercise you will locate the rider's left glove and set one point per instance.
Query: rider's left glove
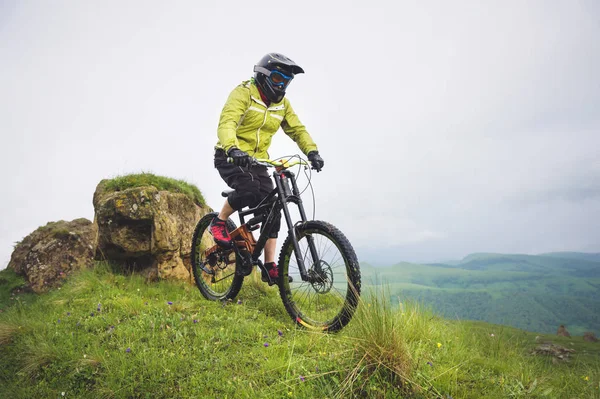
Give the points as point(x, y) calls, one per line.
point(315, 160)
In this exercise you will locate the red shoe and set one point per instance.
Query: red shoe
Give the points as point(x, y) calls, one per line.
point(273, 273)
point(219, 231)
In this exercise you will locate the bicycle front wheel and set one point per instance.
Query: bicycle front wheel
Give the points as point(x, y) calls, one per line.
point(326, 299)
point(214, 271)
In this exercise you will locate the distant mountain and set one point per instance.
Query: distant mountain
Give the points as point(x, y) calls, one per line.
point(574, 255)
point(533, 263)
point(532, 292)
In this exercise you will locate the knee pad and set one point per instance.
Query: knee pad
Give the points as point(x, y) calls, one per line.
point(276, 226)
point(238, 200)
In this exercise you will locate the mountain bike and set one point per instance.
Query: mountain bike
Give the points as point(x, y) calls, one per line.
point(319, 275)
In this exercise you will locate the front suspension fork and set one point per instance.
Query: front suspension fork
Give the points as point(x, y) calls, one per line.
point(294, 196)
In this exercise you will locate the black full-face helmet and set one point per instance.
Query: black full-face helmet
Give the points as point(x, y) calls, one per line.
point(273, 74)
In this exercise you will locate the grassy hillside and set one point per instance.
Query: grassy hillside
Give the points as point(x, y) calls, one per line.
point(536, 293)
point(104, 335)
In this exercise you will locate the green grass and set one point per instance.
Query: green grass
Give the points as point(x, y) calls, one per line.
point(105, 335)
point(11, 289)
point(121, 183)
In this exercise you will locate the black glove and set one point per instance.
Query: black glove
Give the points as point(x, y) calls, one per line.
point(239, 157)
point(315, 160)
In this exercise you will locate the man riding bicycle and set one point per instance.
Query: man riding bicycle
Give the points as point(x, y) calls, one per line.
point(251, 116)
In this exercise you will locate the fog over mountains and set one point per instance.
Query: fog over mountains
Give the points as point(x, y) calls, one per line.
point(532, 292)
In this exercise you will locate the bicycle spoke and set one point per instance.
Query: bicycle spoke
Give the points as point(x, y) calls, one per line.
point(326, 297)
point(223, 283)
point(312, 302)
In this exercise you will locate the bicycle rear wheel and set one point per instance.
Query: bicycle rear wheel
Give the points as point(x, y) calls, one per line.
point(214, 273)
point(327, 299)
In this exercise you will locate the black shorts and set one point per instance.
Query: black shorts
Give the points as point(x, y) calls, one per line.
point(251, 184)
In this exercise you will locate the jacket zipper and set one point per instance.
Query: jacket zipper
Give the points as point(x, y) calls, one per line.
point(258, 131)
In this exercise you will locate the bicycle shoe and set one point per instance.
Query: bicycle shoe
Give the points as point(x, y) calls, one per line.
point(273, 274)
point(219, 231)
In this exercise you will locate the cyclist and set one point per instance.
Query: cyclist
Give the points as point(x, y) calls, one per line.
point(251, 116)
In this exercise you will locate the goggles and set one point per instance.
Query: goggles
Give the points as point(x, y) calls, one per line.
point(280, 79)
point(277, 78)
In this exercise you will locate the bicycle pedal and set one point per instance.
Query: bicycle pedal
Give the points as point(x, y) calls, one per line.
point(224, 244)
point(267, 279)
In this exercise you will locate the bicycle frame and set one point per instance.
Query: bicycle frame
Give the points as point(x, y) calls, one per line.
point(277, 200)
point(319, 285)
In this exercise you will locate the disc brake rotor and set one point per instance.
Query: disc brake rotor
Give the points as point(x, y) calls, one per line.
point(321, 277)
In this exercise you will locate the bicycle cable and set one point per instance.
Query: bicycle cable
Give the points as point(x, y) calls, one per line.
point(312, 191)
point(308, 177)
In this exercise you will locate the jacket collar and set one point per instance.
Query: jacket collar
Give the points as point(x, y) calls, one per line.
point(255, 96)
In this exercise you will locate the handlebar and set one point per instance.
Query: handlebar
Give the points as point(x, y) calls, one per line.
point(283, 164)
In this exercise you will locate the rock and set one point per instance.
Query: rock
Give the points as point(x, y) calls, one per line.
point(49, 254)
point(589, 336)
point(146, 230)
point(556, 351)
point(562, 331)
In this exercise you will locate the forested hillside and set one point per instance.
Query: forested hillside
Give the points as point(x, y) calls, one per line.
point(533, 292)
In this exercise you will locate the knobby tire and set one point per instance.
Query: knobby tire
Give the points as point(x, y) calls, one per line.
point(326, 303)
point(227, 284)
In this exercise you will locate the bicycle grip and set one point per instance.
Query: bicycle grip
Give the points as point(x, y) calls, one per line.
point(251, 161)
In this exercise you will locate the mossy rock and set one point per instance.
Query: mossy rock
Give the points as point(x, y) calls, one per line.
point(161, 183)
point(50, 253)
point(147, 228)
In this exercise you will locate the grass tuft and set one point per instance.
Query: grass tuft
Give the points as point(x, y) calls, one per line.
point(7, 331)
point(125, 182)
point(37, 355)
point(382, 356)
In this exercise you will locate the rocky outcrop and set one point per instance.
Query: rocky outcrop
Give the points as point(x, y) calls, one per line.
point(556, 351)
point(562, 331)
point(46, 256)
point(589, 336)
point(146, 230)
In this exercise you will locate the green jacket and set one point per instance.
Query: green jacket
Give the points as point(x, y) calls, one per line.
point(248, 124)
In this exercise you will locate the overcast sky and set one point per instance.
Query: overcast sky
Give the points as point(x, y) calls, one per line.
point(446, 127)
